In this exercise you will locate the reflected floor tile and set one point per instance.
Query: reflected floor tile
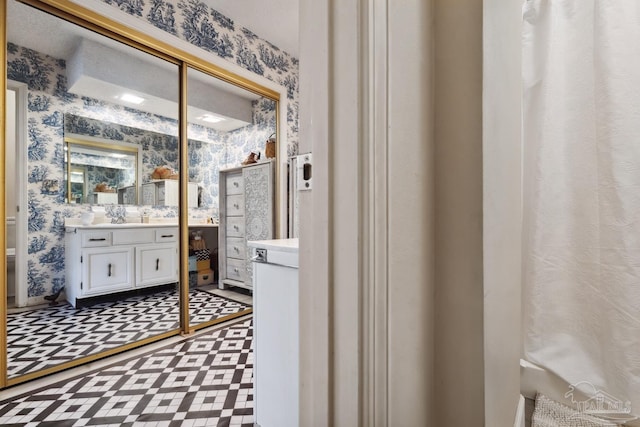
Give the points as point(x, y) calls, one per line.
point(154, 389)
point(46, 337)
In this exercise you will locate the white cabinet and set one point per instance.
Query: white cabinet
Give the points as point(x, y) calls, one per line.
point(103, 198)
point(164, 192)
point(105, 260)
point(246, 213)
point(106, 270)
point(127, 195)
point(276, 320)
point(156, 264)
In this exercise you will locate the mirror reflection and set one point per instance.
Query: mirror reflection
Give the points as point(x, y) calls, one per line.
point(100, 253)
point(236, 132)
point(101, 173)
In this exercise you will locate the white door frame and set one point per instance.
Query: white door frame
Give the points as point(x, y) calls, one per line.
point(366, 246)
point(22, 148)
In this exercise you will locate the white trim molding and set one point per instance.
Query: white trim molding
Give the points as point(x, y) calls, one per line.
point(366, 234)
point(21, 194)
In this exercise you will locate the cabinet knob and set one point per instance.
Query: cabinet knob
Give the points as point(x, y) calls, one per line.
point(236, 184)
point(235, 248)
point(236, 270)
point(237, 206)
point(235, 227)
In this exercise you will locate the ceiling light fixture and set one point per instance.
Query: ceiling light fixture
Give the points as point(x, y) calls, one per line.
point(134, 99)
point(210, 118)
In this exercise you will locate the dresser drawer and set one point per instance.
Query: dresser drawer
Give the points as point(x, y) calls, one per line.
point(235, 226)
point(92, 239)
point(235, 269)
point(235, 184)
point(235, 205)
point(167, 235)
point(133, 236)
point(236, 248)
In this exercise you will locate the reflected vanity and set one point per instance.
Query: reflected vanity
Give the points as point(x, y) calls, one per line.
point(99, 126)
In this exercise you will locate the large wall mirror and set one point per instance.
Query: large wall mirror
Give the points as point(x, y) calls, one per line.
point(103, 130)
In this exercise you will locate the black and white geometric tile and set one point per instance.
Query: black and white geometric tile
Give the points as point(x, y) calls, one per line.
point(48, 337)
point(202, 381)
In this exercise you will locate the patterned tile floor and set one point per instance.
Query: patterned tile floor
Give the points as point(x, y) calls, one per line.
point(205, 380)
point(41, 338)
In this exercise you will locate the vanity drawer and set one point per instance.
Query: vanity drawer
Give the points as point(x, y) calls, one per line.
point(235, 226)
point(133, 236)
point(235, 269)
point(235, 205)
point(236, 248)
point(167, 235)
point(92, 239)
point(235, 184)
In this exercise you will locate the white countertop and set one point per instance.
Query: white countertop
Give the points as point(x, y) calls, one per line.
point(135, 225)
point(283, 245)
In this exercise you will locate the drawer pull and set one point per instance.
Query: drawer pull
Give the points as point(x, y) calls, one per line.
point(235, 248)
point(157, 264)
point(102, 239)
point(235, 227)
point(236, 270)
point(237, 206)
point(166, 236)
point(109, 272)
point(236, 184)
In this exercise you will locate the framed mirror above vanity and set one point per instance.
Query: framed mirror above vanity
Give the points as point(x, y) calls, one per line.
point(100, 172)
point(125, 137)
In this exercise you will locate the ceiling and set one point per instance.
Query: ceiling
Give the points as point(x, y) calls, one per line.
point(107, 69)
point(273, 20)
point(63, 39)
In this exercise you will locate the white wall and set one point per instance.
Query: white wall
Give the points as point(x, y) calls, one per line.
point(10, 153)
point(10, 192)
point(502, 208)
point(391, 236)
point(459, 368)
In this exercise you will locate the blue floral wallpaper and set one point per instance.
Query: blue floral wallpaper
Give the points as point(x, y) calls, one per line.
point(51, 108)
point(52, 111)
point(202, 26)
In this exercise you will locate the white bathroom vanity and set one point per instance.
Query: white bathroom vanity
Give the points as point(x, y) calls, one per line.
point(108, 258)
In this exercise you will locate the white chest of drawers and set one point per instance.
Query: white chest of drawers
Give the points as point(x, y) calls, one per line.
point(108, 259)
point(246, 213)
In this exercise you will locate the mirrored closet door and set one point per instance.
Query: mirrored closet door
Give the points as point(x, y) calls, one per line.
point(108, 216)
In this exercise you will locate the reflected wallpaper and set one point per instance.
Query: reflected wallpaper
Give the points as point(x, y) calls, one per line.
point(209, 150)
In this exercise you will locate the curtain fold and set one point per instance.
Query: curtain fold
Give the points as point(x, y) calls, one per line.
point(581, 163)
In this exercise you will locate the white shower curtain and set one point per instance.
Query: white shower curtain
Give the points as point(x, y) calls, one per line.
point(581, 121)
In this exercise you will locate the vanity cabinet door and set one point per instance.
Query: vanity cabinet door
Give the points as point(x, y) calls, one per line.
point(106, 270)
point(156, 264)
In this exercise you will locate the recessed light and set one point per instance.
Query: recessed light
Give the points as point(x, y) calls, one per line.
point(134, 99)
point(210, 118)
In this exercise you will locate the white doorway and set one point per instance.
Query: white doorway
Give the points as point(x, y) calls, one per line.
point(16, 193)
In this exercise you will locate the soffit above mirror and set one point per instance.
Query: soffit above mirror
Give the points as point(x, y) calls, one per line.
point(92, 61)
